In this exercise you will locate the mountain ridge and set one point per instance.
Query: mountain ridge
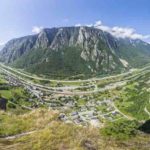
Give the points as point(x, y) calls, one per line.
point(74, 50)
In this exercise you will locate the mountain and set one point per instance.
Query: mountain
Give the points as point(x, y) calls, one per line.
point(68, 51)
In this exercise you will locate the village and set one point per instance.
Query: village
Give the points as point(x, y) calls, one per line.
point(78, 109)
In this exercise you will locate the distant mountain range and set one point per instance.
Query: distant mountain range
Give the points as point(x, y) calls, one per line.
point(69, 51)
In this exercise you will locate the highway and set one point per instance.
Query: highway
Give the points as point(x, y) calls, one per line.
point(71, 90)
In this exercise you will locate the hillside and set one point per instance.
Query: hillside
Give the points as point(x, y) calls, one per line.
point(100, 113)
point(69, 51)
point(53, 134)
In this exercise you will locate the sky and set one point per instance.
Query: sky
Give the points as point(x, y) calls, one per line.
point(23, 17)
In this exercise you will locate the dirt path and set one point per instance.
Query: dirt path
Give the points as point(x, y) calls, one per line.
point(127, 117)
point(18, 135)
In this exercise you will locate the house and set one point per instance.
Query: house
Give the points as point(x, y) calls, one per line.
point(62, 116)
point(74, 113)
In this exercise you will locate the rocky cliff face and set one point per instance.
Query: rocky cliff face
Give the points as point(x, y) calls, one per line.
point(97, 50)
point(16, 48)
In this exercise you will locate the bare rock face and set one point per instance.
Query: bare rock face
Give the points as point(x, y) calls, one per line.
point(16, 48)
point(99, 50)
point(42, 40)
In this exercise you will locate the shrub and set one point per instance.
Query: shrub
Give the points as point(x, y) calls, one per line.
point(122, 129)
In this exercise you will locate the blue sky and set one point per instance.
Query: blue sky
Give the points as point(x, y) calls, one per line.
point(18, 17)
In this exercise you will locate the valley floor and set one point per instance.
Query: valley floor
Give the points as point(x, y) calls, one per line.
point(56, 114)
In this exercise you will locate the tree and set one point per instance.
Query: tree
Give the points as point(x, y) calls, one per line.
point(122, 129)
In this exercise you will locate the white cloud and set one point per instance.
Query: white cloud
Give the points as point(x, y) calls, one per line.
point(37, 29)
point(103, 27)
point(98, 23)
point(78, 25)
point(89, 25)
point(120, 32)
point(127, 33)
point(2, 43)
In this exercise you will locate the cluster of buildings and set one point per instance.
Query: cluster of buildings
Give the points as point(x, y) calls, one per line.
point(91, 110)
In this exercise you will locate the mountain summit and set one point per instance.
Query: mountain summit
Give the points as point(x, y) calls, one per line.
point(74, 50)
